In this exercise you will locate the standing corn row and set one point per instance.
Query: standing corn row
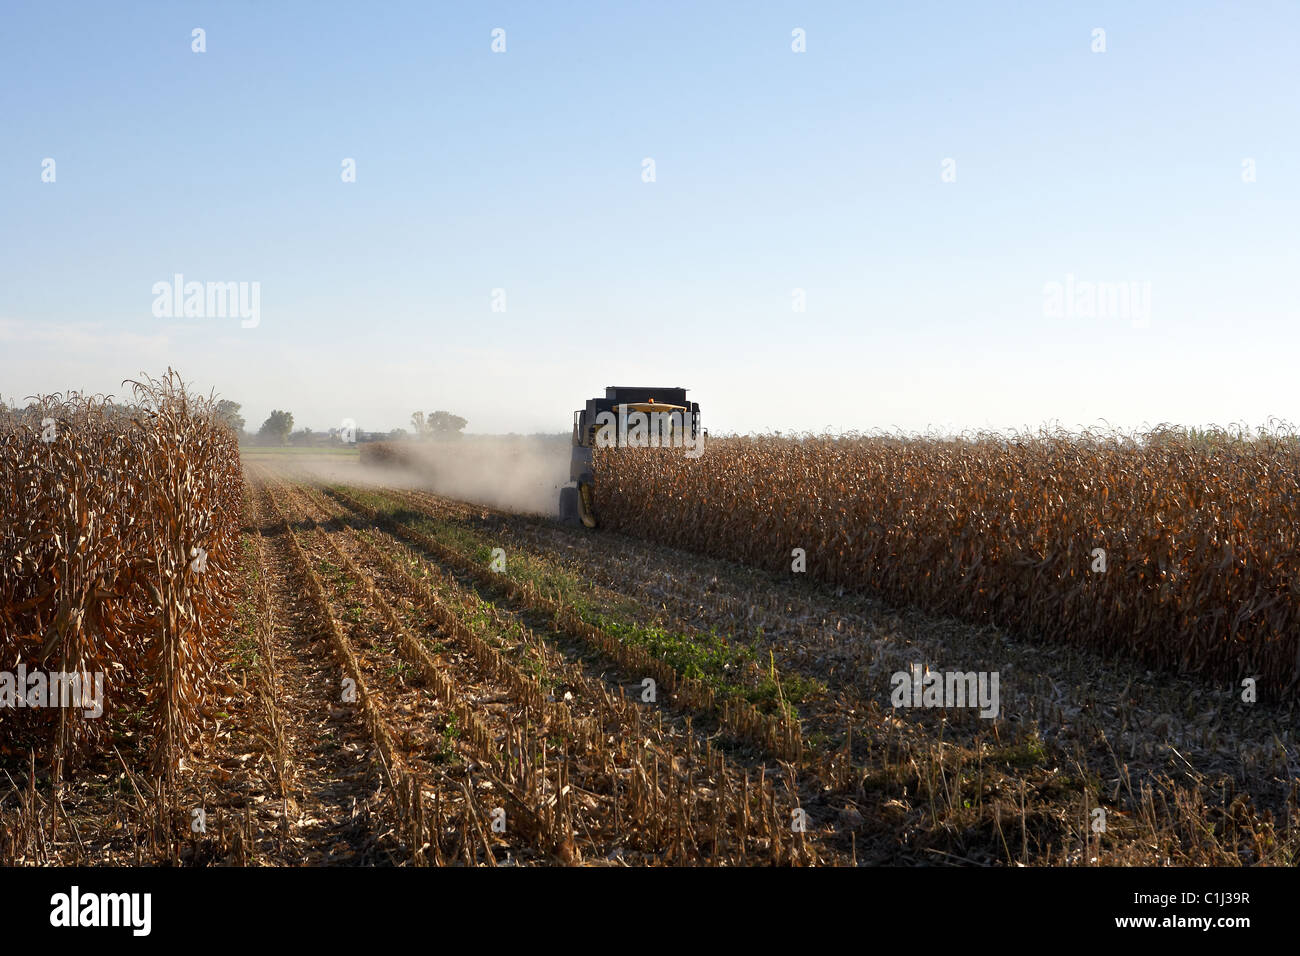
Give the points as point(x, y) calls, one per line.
point(117, 557)
point(1200, 533)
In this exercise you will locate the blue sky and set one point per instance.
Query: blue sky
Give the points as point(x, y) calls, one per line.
point(774, 171)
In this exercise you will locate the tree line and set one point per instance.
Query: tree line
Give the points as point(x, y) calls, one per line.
point(278, 429)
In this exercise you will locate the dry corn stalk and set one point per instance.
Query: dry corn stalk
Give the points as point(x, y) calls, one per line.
point(1201, 531)
point(117, 556)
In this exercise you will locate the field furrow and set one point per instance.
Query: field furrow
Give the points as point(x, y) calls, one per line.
point(594, 721)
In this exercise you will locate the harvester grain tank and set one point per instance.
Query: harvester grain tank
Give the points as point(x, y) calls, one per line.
point(593, 424)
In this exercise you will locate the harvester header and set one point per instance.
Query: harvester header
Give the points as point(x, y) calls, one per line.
point(627, 417)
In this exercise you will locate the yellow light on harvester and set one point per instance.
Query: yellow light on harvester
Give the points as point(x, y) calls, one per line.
point(650, 406)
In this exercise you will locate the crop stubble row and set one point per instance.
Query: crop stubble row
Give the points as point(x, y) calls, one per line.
point(671, 802)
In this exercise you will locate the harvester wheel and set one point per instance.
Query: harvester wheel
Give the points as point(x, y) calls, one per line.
point(586, 505)
point(569, 505)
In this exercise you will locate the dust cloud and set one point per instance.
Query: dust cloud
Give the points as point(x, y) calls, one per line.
point(513, 473)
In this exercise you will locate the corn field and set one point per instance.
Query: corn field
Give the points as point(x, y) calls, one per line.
point(1198, 534)
point(364, 673)
point(117, 557)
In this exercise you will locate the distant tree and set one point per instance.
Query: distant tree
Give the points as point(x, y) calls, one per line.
point(228, 412)
point(397, 434)
point(438, 425)
point(444, 425)
point(277, 427)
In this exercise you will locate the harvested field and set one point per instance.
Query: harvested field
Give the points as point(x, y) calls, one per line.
point(408, 679)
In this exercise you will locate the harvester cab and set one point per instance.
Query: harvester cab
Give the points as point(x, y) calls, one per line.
point(624, 418)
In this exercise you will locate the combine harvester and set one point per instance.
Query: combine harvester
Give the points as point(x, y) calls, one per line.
point(625, 418)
